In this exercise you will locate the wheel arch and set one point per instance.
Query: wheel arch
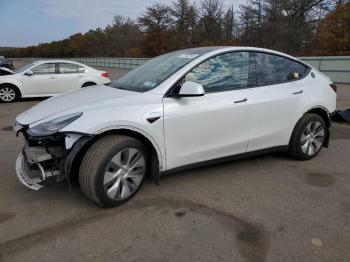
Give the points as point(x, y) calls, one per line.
point(88, 83)
point(324, 114)
point(77, 154)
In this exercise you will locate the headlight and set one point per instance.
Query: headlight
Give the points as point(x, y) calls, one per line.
point(17, 127)
point(53, 126)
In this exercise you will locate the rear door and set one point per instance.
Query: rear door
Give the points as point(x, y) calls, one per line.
point(43, 81)
point(70, 76)
point(279, 100)
point(214, 125)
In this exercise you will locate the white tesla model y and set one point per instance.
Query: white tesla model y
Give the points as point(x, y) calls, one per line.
point(179, 110)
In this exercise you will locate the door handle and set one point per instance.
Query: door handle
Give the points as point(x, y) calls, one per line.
point(298, 92)
point(241, 101)
point(52, 77)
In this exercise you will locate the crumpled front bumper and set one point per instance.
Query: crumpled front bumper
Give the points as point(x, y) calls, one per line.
point(34, 175)
point(29, 178)
point(41, 161)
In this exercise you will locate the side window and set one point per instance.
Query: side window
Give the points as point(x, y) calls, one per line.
point(223, 72)
point(273, 69)
point(49, 68)
point(66, 68)
point(81, 69)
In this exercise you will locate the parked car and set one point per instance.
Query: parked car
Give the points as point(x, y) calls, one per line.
point(178, 110)
point(8, 63)
point(49, 78)
point(4, 71)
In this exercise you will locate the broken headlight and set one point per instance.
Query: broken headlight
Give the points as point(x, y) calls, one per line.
point(53, 126)
point(17, 127)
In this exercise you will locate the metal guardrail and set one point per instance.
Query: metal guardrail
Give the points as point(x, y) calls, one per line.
point(336, 67)
point(115, 62)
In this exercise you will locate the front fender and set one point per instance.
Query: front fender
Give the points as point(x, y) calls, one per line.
point(153, 132)
point(15, 82)
point(154, 142)
point(134, 115)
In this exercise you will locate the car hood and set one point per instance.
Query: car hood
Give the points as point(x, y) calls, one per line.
point(6, 70)
point(74, 101)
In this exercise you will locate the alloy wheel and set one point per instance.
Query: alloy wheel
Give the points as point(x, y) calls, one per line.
point(312, 138)
point(7, 94)
point(124, 174)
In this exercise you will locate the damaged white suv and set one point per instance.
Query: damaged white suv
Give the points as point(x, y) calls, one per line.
point(179, 110)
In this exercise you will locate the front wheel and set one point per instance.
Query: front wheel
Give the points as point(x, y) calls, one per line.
point(113, 169)
point(308, 137)
point(8, 94)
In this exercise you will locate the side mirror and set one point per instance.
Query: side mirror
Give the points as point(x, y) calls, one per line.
point(190, 88)
point(294, 75)
point(29, 73)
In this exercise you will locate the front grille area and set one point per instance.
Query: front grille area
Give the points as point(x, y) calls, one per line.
point(44, 158)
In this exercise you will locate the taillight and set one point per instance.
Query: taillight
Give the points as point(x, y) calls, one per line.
point(334, 87)
point(104, 74)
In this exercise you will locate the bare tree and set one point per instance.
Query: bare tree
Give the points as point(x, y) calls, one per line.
point(156, 22)
point(229, 24)
point(211, 20)
point(286, 25)
point(156, 18)
point(251, 23)
point(185, 18)
point(123, 36)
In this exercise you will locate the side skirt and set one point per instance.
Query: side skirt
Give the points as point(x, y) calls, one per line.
point(227, 159)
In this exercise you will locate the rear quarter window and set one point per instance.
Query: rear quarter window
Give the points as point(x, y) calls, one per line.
point(273, 69)
point(66, 68)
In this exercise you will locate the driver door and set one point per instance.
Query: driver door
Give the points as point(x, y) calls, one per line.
point(44, 80)
point(215, 125)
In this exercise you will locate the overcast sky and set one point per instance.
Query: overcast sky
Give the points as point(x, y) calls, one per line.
point(29, 22)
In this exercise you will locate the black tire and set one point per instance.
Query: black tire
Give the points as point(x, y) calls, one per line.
point(88, 84)
point(97, 159)
point(295, 145)
point(9, 89)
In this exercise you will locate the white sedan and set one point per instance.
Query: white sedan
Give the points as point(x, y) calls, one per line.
point(48, 78)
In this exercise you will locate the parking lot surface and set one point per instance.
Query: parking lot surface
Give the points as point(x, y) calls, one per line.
point(266, 208)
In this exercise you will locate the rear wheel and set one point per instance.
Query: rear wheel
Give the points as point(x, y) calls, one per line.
point(113, 169)
point(308, 137)
point(8, 94)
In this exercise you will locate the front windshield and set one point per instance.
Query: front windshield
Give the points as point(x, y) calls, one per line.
point(24, 68)
point(156, 70)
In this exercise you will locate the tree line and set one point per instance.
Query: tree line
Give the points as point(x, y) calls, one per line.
point(298, 27)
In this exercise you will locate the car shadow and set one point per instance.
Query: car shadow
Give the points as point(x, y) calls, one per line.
point(75, 196)
point(33, 99)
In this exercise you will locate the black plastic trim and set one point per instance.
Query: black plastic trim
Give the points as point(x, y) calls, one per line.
point(151, 120)
point(228, 158)
point(78, 145)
